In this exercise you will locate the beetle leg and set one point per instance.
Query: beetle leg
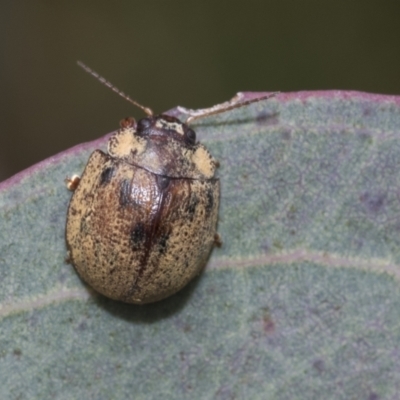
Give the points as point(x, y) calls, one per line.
point(73, 182)
point(217, 240)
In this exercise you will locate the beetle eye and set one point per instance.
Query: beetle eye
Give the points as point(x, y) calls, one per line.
point(143, 124)
point(190, 136)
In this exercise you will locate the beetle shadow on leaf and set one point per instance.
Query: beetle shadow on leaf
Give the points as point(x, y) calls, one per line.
point(148, 313)
point(263, 118)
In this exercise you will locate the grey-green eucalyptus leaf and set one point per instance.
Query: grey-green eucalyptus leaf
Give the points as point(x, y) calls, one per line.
point(301, 302)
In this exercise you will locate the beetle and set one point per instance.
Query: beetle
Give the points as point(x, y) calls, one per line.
point(142, 220)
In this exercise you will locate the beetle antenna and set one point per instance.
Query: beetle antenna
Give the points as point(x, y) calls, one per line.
point(235, 102)
point(105, 82)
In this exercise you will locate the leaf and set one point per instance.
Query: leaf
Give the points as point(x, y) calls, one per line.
point(301, 302)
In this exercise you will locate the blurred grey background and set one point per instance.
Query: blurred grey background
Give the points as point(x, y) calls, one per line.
point(168, 53)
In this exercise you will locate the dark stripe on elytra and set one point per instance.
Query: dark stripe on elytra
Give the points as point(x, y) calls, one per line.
point(138, 235)
point(125, 193)
point(191, 209)
point(162, 243)
point(210, 200)
point(106, 175)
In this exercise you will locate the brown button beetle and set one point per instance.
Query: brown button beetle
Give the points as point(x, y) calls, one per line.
point(142, 219)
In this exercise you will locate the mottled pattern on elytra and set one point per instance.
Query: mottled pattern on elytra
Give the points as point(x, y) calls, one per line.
point(136, 236)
